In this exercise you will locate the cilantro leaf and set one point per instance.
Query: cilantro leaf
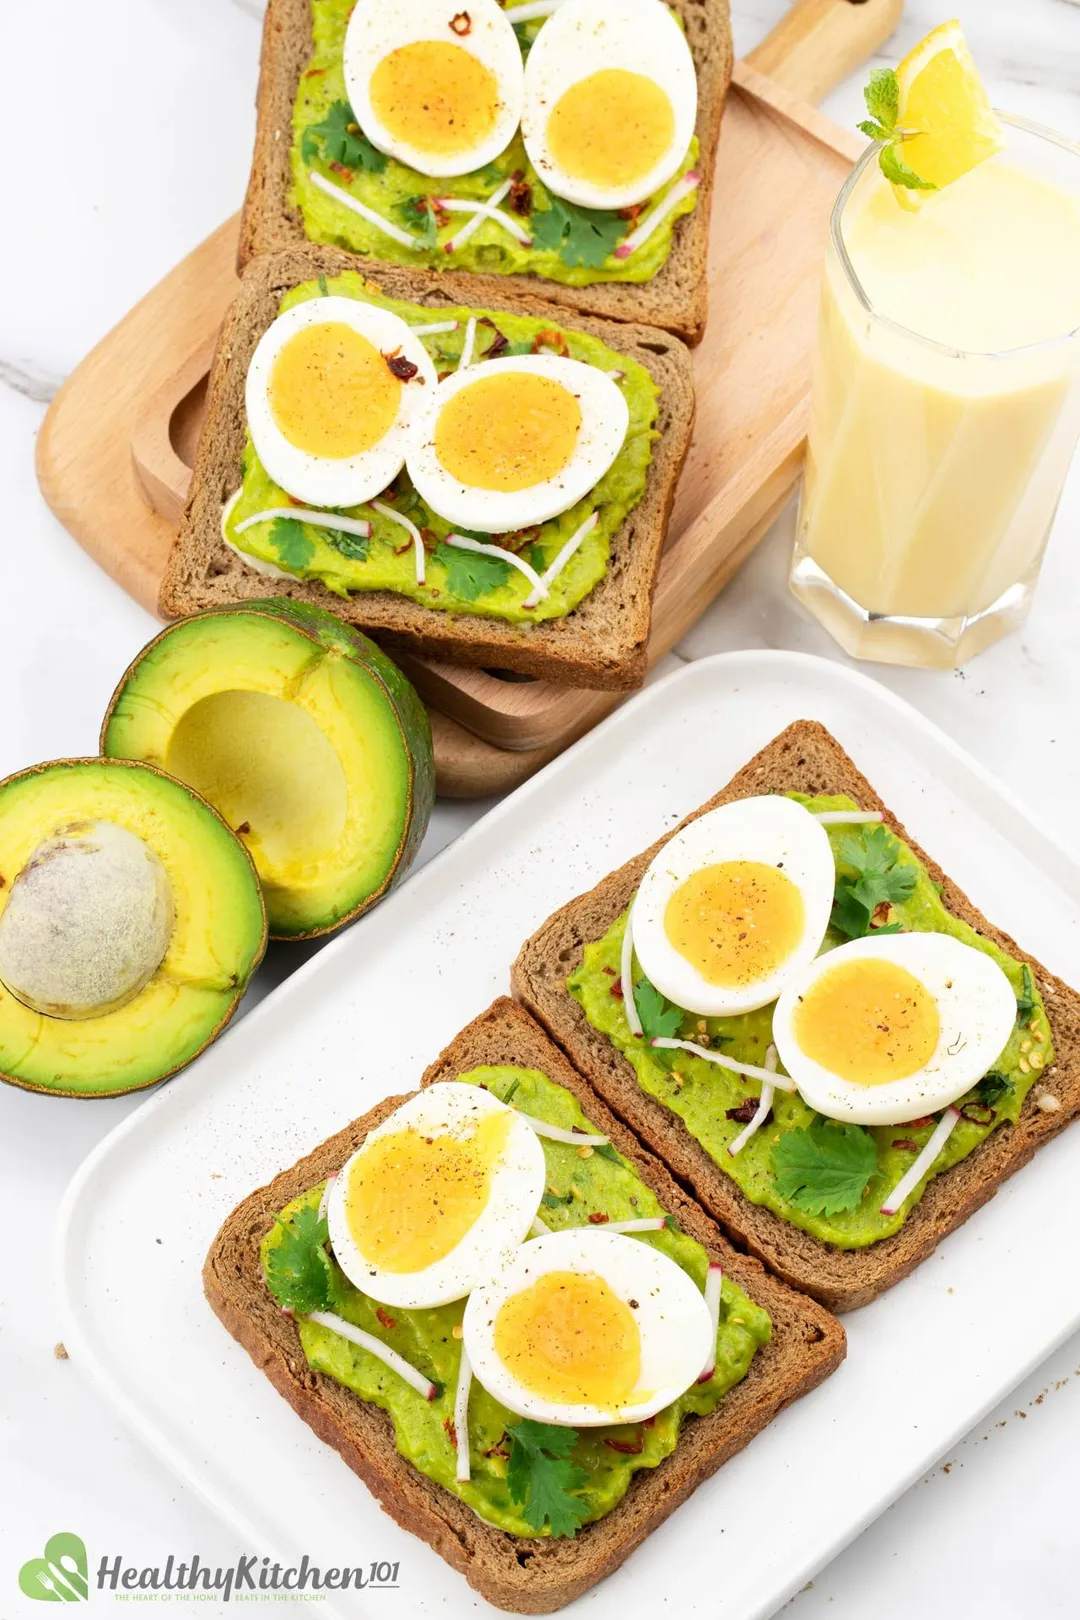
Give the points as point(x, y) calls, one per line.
point(324, 291)
point(993, 1086)
point(824, 1169)
point(900, 173)
point(878, 880)
point(658, 1017)
point(882, 97)
point(298, 1267)
point(1026, 1003)
point(342, 142)
point(419, 214)
point(604, 1150)
point(541, 1478)
point(294, 549)
point(353, 546)
point(524, 38)
point(471, 574)
point(580, 236)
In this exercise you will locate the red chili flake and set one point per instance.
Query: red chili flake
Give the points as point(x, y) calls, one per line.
point(550, 339)
point(388, 1322)
point(461, 24)
point(617, 989)
point(242, 831)
point(497, 1449)
point(649, 1422)
point(598, 1218)
point(339, 168)
point(404, 370)
point(448, 1425)
point(631, 212)
point(399, 551)
point(628, 1448)
point(610, 971)
point(977, 1113)
point(3, 881)
point(917, 1124)
point(430, 539)
point(906, 1145)
point(745, 1111)
point(880, 915)
point(314, 73)
point(520, 195)
point(498, 343)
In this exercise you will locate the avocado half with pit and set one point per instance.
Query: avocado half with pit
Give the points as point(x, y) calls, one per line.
point(131, 920)
point(303, 734)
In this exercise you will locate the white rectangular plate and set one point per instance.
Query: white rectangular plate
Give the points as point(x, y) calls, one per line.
point(364, 1017)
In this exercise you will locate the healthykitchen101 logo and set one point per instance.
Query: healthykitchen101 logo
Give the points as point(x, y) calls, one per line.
point(62, 1575)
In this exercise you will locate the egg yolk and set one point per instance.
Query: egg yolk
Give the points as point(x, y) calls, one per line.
point(331, 391)
point(570, 1338)
point(611, 128)
point(435, 96)
point(508, 431)
point(736, 922)
point(869, 1021)
point(411, 1197)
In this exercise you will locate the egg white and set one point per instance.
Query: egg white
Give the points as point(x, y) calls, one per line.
point(584, 37)
point(976, 1007)
point(771, 829)
point(672, 1317)
point(378, 27)
point(604, 421)
point(515, 1189)
point(328, 480)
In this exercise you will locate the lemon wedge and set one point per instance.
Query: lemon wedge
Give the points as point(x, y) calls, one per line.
point(943, 114)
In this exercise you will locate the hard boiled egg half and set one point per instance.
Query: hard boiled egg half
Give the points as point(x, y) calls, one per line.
point(434, 83)
point(585, 1327)
point(332, 391)
point(509, 443)
point(884, 1030)
point(610, 101)
point(734, 904)
point(438, 1197)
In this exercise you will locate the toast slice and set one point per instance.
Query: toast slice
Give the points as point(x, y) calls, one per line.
point(531, 1576)
point(601, 643)
point(675, 298)
point(804, 758)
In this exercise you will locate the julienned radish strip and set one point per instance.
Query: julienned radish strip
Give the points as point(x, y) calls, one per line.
point(845, 818)
point(463, 543)
point(488, 209)
point(417, 537)
point(908, 1182)
point(647, 1223)
point(467, 345)
point(347, 200)
point(714, 1281)
point(461, 1417)
point(765, 1102)
point(626, 978)
point(435, 329)
point(318, 520)
point(767, 1077)
point(638, 237)
point(538, 1229)
point(557, 1134)
point(555, 568)
point(368, 1341)
point(324, 1201)
point(531, 10)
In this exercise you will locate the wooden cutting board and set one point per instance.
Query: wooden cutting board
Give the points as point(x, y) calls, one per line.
point(117, 445)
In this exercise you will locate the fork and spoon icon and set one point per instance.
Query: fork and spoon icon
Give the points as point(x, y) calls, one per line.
point(60, 1575)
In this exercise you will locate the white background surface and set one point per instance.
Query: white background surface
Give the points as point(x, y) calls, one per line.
point(129, 126)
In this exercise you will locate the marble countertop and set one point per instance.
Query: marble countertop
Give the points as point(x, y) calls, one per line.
point(131, 123)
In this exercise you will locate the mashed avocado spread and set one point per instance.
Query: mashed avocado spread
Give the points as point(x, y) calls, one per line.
point(568, 244)
point(457, 581)
point(702, 1094)
point(577, 1187)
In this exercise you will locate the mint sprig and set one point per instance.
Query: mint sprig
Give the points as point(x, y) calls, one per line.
point(882, 96)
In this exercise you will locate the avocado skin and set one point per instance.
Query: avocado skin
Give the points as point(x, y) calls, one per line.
point(326, 630)
point(64, 1080)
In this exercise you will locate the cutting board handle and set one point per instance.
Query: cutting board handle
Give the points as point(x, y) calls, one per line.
point(819, 42)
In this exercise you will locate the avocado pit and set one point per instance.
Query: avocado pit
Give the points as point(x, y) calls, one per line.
point(87, 923)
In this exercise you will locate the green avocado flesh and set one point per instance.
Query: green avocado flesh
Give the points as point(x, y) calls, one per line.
point(457, 581)
point(216, 939)
point(391, 190)
point(305, 736)
point(425, 1338)
point(700, 1093)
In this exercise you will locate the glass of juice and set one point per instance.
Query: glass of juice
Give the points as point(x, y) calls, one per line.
point(946, 402)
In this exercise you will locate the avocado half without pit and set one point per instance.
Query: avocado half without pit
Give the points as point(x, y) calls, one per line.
point(131, 920)
point(303, 734)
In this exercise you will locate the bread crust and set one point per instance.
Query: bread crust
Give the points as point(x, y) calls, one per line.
point(675, 298)
point(600, 644)
point(524, 1576)
point(807, 759)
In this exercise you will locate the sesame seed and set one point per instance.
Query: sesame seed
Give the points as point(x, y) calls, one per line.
point(1024, 1066)
point(585, 1152)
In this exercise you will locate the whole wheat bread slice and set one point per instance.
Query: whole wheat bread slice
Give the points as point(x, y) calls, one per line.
point(807, 759)
point(601, 643)
point(527, 1576)
point(676, 296)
